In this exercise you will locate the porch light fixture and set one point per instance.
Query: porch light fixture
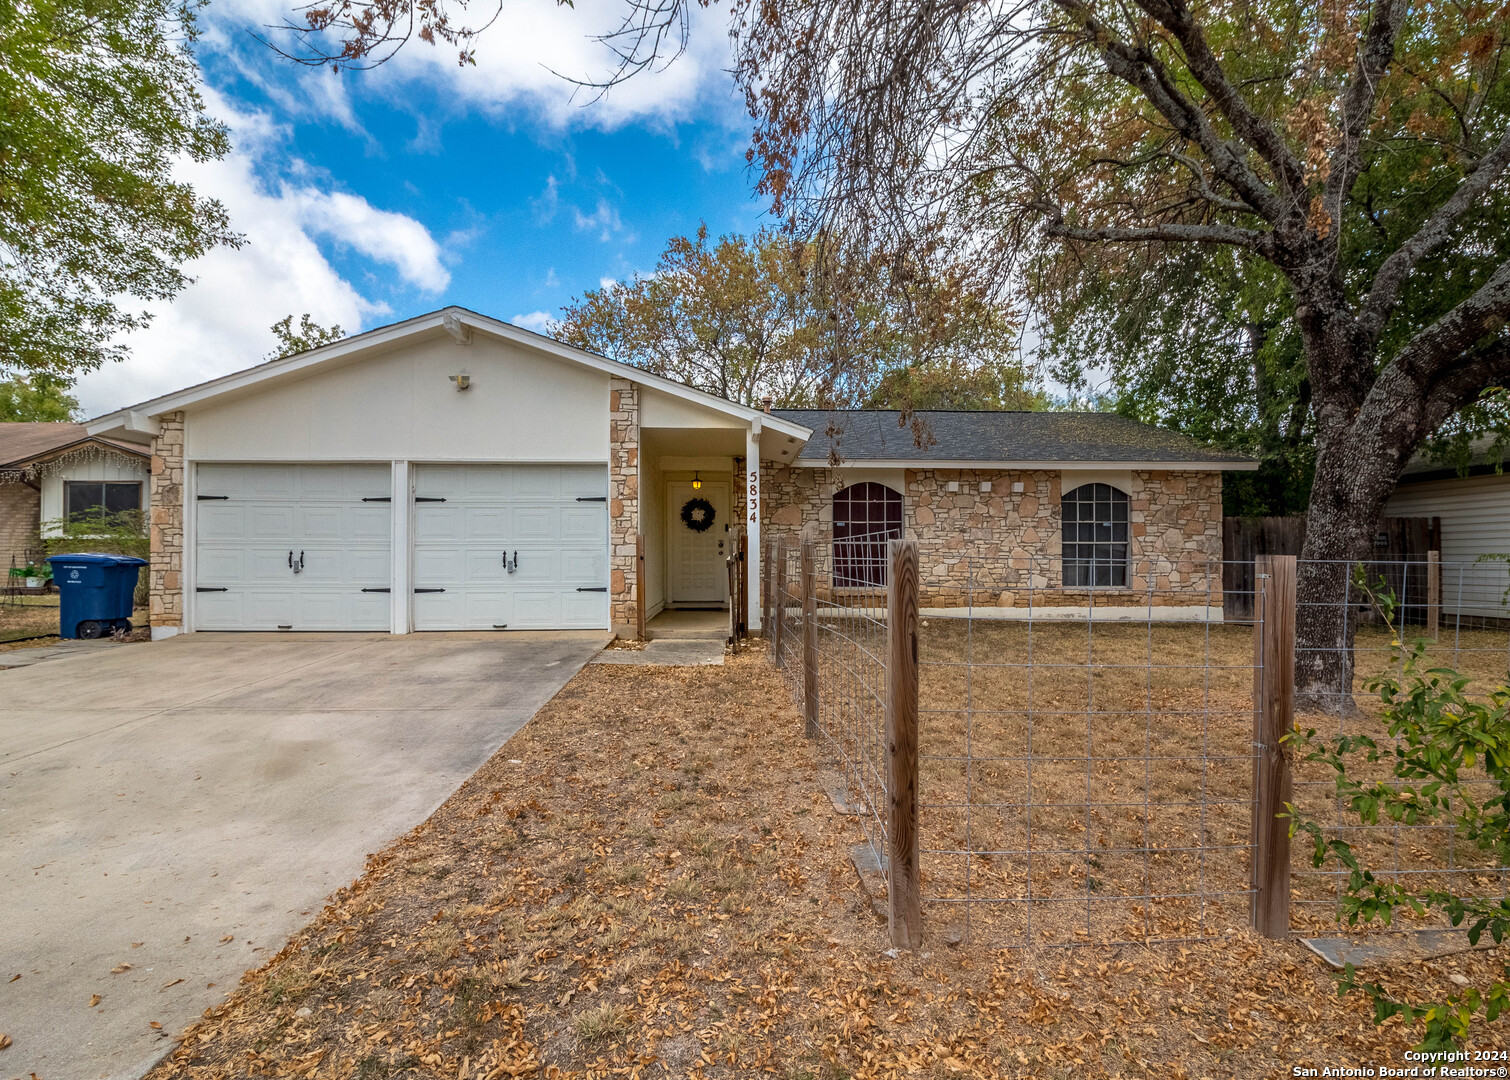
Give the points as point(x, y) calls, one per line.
point(697, 482)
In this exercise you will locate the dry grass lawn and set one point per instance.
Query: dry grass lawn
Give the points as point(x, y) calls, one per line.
point(649, 880)
point(25, 615)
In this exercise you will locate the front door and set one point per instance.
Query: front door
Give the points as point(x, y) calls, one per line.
point(698, 525)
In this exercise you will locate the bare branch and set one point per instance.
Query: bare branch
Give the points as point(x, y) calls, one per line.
point(1390, 279)
point(1258, 133)
point(1206, 234)
point(1357, 102)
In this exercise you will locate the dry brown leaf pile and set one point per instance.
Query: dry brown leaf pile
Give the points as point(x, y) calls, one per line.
point(660, 887)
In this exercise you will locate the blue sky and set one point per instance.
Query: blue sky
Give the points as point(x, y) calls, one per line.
point(372, 196)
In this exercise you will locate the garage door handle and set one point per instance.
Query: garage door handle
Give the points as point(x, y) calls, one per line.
point(207, 498)
point(592, 498)
point(208, 588)
point(427, 498)
point(378, 498)
point(595, 588)
point(429, 590)
point(377, 590)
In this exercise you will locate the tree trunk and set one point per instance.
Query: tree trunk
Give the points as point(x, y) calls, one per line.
point(1354, 479)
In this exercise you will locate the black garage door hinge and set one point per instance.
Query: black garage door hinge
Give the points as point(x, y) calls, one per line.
point(427, 498)
point(429, 590)
point(207, 498)
point(592, 498)
point(210, 588)
point(594, 588)
point(378, 498)
point(377, 590)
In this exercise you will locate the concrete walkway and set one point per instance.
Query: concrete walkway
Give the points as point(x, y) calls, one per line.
point(170, 813)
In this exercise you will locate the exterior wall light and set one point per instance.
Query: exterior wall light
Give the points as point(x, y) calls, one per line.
point(462, 381)
point(697, 482)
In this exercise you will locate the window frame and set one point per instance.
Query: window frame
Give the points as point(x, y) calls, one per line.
point(71, 516)
point(860, 564)
point(1090, 523)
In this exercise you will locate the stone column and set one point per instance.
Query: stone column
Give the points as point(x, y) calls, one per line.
point(165, 569)
point(623, 503)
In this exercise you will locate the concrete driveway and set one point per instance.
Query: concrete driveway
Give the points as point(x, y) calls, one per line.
point(170, 813)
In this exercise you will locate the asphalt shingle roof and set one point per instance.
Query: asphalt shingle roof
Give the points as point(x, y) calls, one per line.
point(877, 435)
point(22, 441)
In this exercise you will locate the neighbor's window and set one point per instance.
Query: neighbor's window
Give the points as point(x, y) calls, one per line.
point(1095, 536)
point(866, 516)
point(92, 499)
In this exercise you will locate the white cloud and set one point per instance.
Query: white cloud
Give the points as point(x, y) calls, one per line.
point(548, 201)
point(524, 61)
point(604, 220)
point(538, 321)
point(221, 322)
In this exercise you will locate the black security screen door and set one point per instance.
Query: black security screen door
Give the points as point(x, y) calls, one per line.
point(86, 499)
point(866, 516)
point(1095, 536)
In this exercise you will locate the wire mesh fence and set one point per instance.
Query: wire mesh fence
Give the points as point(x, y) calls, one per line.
point(1087, 755)
point(1359, 622)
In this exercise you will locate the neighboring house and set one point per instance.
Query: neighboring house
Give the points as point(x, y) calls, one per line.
point(456, 472)
point(51, 471)
point(1475, 521)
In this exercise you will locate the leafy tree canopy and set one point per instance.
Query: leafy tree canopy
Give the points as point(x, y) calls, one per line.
point(772, 316)
point(41, 397)
point(99, 100)
point(306, 335)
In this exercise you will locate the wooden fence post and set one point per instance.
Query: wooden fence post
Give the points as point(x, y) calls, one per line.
point(779, 606)
point(809, 639)
point(1433, 593)
point(639, 587)
point(1274, 719)
point(904, 891)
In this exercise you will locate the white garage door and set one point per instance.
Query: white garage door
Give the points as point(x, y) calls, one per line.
point(293, 547)
point(519, 547)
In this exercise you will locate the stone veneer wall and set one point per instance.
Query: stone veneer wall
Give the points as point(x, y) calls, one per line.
point(994, 548)
point(165, 569)
point(623, 502)
point(20, 514)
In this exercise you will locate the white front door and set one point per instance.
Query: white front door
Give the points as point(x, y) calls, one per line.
point(510, 547)
point(698, 547)
point(292, 547)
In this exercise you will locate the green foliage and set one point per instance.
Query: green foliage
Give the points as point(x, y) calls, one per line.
point(1445, 743)
point(307, 335)
point(746, 317)
point(40, 397)
point(120, 533)
point(101, 105)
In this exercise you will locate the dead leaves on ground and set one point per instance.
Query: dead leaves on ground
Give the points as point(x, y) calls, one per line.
point(668, 892)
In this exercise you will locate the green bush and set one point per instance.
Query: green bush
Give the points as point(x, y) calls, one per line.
point(123, 533)
point(1442, 738)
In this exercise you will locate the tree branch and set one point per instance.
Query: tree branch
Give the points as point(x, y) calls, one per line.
point(1465, 381)
point(1207, 234)
point(1207, 69)
point(1440, 345)
point(1391, 277)
point(1142, 70)
point(1356, 105)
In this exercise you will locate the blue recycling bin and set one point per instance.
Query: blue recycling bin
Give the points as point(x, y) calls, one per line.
point(94, 593)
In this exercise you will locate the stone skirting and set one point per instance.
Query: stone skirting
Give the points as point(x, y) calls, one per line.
point(994, 548)
point(165, 569)
point(623, 503)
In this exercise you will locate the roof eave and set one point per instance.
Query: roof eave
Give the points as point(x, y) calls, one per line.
point(139, 420)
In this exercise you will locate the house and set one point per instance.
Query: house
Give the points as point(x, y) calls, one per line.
point(52, 471)
point(1474, 521)
point(456, 472)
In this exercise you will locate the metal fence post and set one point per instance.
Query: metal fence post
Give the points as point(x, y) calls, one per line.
point(1433, 593)
point(809, 640)
point(1274, 718)
point(779, 605)
point(904, 891)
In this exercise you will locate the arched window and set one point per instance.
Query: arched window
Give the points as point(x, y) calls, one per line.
point(1095, 536)
point(866, 515)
